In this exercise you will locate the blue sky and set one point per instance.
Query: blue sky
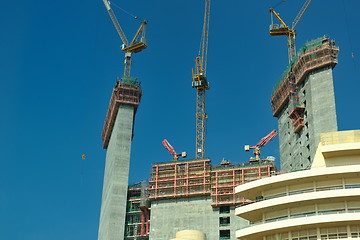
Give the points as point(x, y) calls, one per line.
point(59, 61)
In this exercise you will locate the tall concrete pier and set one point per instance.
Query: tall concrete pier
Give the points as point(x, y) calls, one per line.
point(304, 102)
point(117, 136)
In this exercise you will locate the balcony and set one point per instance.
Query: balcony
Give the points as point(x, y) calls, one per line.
point(253, 212)
point(258, 230)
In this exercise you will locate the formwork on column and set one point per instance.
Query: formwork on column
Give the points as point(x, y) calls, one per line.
point(126, 91)
point(319, 53)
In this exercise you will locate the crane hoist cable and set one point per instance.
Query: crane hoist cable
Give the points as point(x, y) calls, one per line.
point(349, 34)
point(278, 4)
point(128, 13)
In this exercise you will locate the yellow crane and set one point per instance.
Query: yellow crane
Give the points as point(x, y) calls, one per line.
point(137, 44)
point(283, 28)
point(199, 81)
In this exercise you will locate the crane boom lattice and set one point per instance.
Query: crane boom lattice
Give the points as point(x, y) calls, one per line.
point(136, 45)
point(283, 29)
point(199, 81)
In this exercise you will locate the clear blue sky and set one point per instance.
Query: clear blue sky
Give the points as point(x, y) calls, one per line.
point(58, 64)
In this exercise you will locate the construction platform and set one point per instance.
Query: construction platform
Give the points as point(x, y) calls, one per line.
point(304, 103)
point(197, 177)
point(138, 214)
point(319, 53)
point(126, 91)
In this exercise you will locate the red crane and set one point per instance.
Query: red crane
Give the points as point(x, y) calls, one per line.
point(172, 151)
point(260, 144)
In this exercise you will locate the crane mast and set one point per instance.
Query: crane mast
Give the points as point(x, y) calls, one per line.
point(283, 29)
point(199, 81)
point(137, 44)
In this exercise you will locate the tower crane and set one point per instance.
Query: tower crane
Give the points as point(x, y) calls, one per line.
point(260, 144)
point(137, 44)
point(172, 151)
point(283, 28)
point(199, 81)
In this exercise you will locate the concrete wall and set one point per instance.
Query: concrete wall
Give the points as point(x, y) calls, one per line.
point(173, 215)
point(297, 150)
point(114, 197)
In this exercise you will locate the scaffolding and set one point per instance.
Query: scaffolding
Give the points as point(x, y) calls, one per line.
point(137, 214)
point(189, 178)
point(224, 179)
point(319, 53)
point(297, 117)
point(180, 179)
point(126, 91)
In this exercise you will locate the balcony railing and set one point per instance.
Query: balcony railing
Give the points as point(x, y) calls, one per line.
point(308, 190)
point(328, 212)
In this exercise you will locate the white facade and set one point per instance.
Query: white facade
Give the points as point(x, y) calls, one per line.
point(320, 203)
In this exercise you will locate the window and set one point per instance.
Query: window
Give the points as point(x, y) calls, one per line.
point(224, 234)
point(333, 232)
point(224, 221)
point(224, 209)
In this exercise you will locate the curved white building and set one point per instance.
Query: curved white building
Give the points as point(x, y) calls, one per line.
point(320, 203)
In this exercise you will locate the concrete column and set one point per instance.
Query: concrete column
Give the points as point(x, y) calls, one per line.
point(115, 186)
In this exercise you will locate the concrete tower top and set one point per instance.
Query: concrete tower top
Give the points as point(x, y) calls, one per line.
point(126, 91)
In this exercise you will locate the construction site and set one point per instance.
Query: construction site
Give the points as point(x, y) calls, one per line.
point(193, 193)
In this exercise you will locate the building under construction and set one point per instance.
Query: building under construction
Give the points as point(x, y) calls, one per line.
point(117, 134)
point(303, 101)
point(137, 212)
point(188, 193)
point(194, 194)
